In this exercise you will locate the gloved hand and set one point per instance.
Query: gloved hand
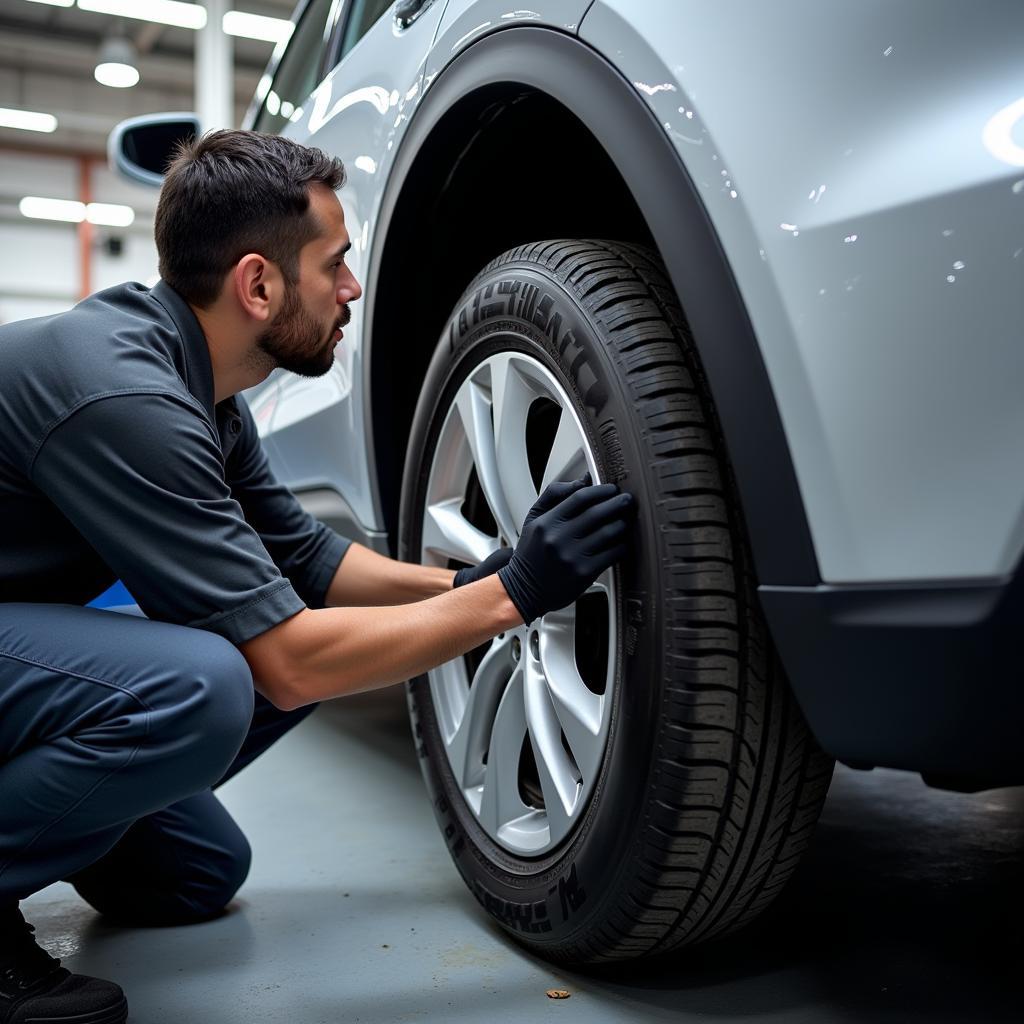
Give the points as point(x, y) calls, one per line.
point(553, 494)
point(490, 565)
point(570, 536)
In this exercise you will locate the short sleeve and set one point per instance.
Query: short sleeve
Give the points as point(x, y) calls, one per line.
point(141, 477)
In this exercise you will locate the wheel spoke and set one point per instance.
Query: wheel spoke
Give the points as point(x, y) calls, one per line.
point(500, 801)
point(567, 459)
point(578, 708)
point(474, 408)
point(469, 744)
point(447, 532)
point(557, 779)
point(603, 584)
point(450, 695)
point(512, 396)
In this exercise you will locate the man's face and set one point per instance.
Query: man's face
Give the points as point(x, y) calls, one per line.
point(307, 328)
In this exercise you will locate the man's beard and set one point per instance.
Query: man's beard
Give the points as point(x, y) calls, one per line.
point(295, 340)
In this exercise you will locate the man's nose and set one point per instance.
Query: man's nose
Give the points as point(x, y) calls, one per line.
point(350, 291)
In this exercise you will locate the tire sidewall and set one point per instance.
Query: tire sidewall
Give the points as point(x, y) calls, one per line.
point(547, 900)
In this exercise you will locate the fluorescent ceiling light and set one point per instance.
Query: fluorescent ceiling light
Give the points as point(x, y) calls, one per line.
point(117, 76)
point(52, 209)
point(186, 15)
point(73, 212)
point(27, 120)
point(164, 12)
point(111, 214)
point(256, 26)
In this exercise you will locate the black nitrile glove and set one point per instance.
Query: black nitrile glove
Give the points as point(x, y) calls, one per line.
point(570, 536)
point(553, 494)
point(490, 565)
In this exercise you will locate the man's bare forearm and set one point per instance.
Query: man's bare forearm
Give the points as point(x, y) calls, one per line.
point(365, 578)
point(337, 651)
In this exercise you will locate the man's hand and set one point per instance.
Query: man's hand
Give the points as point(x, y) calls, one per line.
point(571, 535)
point(490, 565)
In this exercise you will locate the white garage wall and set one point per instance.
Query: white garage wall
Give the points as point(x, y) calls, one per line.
point(40, 260)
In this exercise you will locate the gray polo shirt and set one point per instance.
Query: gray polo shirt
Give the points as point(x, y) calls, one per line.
point(116, 464)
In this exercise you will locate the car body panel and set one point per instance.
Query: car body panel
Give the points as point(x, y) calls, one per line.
point(872, 216)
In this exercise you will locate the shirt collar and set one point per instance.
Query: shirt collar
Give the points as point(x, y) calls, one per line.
point(198, 367)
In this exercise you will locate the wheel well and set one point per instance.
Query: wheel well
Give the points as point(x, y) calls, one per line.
point(506, 165)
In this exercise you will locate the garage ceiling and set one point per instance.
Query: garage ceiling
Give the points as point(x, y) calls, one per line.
point(47, 57)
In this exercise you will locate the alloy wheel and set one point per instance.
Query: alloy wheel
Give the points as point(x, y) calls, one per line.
point(524, 718)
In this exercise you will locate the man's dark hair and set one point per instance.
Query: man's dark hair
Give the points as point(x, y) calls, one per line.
point(232, 192)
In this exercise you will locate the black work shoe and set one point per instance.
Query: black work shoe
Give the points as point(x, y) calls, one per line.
point(34, 988)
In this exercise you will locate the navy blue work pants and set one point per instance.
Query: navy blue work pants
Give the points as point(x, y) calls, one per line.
point(114, 730)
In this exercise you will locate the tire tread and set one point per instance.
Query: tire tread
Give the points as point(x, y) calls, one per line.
point(757, 785)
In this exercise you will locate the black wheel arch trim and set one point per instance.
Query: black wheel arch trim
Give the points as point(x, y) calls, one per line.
point(920, 676)
point(574, 74)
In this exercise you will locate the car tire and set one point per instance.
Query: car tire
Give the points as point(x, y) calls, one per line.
point(708, 783)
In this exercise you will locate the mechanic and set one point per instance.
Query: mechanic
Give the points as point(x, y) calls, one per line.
point(124, 454)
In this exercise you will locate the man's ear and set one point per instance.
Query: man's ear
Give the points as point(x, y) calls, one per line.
point(257, 285)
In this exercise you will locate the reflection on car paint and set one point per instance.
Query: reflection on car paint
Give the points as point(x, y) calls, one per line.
point(320, 115)
point(997, 135)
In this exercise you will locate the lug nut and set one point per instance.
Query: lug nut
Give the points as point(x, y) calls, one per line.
point(517, 649)
point(535, 643)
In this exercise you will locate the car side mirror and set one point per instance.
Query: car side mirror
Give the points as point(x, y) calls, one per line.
point(141, 147)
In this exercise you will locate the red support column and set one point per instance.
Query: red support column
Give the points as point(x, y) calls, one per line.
point(85, 232)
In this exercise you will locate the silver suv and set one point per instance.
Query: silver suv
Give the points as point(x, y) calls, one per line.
point(762, 266)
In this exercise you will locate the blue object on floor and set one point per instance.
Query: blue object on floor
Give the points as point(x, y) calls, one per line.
point(114, 595)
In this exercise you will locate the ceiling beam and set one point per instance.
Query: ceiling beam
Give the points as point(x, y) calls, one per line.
point(30, 52)
point(47, 148)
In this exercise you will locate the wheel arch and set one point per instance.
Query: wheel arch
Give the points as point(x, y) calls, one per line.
point(531, 134)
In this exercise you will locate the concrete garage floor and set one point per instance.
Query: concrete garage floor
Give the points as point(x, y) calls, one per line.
point(909, 906)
